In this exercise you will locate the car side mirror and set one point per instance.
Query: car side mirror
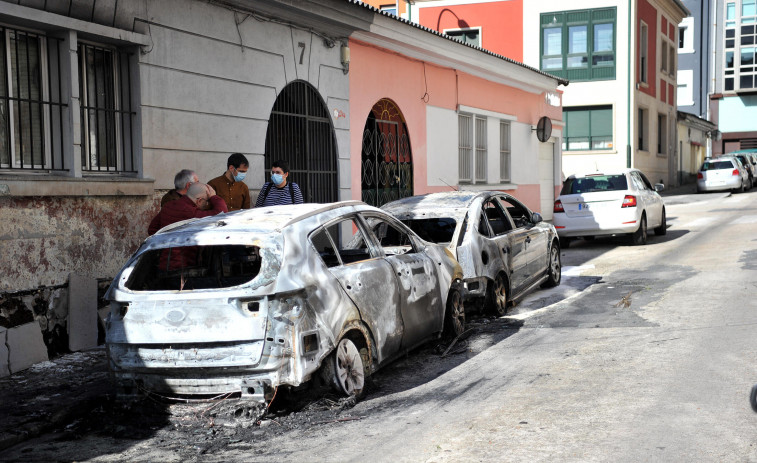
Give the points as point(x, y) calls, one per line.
point(659, 187)
point(536, 218)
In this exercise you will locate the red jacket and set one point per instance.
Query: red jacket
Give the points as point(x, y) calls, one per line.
point(183, 209)
point(176, 211)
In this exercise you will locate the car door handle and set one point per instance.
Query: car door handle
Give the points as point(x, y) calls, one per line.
point(504, 250)
point(528, 239)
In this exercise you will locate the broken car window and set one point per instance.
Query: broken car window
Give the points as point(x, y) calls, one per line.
point(436, 230)
point(185, 268)
point(393, 239)
point(346, 231)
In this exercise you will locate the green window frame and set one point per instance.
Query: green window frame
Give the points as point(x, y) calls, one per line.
point(579, 45)
point(587, 128)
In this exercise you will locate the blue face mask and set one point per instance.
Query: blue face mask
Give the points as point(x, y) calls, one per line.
point(277, 179)
point(240, 176)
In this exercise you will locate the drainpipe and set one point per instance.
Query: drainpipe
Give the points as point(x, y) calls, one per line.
point(630, 84)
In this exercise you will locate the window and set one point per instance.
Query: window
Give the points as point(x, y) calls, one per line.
point(685, 93)
point(686, 35)
point(643, 123)
point(469, 36)
point(330, 247)
point(105, 110)
point(498, 222)
point(392, 239)
point(588, 128)
point(30, 107)
point(579, 44)
point(504, 151)
point(472, 136)
point(389, 8)
point(35, 123)
point(663, 56)
point(662, 132)
point(672, 59)
point(740, 65)
point(643, 53)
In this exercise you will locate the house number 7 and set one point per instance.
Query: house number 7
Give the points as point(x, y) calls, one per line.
point(302, 53)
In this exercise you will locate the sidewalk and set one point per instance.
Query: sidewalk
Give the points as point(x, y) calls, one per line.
point(50, 394)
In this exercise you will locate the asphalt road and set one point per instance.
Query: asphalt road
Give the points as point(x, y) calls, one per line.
point(644, 353)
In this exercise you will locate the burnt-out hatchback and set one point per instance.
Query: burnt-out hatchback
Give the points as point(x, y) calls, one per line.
point(253, 300)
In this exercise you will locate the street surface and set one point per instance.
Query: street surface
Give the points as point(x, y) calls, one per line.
point(643, 353)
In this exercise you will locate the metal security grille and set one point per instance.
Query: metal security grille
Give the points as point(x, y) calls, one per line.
point(504, 151)
point(387, 164)
point(300, 132)
point(464, 147)
point(31, 111)
point(106, 113)
point(481, 149)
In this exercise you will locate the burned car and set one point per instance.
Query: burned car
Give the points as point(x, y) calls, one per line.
point(505, 249)
point(274, 297)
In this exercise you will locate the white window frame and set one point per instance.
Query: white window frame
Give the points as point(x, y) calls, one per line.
point(687, 26)
point(505, 149)
point(644, 53)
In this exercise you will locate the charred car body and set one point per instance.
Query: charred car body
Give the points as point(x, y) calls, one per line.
point(504, 249)
point(270, 296)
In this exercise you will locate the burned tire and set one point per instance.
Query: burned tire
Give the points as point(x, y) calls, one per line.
point(639, 237)
point(344, 369)
point(753, 398)
point(554, 272)
point(454, 316)
point(663, 228)
point(496, 296)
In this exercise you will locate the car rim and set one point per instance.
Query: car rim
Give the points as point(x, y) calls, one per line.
point(500, 292)
point(349, 367)
point(458, 312)
point(555, 267)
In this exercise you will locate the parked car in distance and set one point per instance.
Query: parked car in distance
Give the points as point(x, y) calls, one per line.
point(722, 173)
point(504, 249)
point(622, 202)
point(274, 297)
point(746, 162)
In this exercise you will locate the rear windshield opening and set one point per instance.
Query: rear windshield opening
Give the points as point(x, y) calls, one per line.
point(717, 165)
point(575, 186)
point(435, 230)
point(187, 268)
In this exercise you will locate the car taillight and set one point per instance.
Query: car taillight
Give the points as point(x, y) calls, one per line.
point(558, 207)
point(735, 172)
point(700, 176)
point(629, 201)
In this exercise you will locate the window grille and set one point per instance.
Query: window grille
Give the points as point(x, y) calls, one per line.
point(465, 147)
point(106, 112)
point(31, 112)
point(481, 149)
point(504, 151)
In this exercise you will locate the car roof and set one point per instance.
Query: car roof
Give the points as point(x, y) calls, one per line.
point(605, 172)
point(455, 203)
point(262, 219)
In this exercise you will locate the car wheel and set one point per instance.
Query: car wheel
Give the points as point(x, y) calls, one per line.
point(554, 272)
point(639, 237)
point(565, 243)
point(753, 398)
point(496, 296)
point(344, 369)
point(454, 317)
point(663, 228)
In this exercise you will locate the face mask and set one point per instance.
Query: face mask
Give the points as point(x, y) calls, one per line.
point(277, 179)
point(240, 176)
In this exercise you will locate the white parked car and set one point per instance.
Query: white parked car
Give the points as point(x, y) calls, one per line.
point(723, 173)
point(609, 203)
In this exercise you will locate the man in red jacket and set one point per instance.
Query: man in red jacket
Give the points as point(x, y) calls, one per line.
point(187, 207)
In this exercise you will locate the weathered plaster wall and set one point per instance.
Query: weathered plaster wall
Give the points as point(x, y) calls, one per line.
point(42, 239)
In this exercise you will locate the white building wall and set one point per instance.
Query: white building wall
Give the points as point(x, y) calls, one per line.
point(592, 93)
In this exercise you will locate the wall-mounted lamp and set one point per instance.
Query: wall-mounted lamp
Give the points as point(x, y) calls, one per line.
point(344, 55)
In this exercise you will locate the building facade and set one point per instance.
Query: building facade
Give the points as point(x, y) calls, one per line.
point(733, 102)
point(100, 106)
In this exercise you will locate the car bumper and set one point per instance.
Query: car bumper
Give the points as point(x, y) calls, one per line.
point(709, 185)
point(590, 226)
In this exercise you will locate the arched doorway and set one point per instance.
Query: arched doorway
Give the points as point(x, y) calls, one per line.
point(387, 163)
point(300, 132)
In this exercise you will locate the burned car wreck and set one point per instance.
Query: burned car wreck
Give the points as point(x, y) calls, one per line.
point(253, 300)
point(504, 249)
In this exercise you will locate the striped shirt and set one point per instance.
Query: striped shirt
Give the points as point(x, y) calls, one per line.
point(278, 196)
